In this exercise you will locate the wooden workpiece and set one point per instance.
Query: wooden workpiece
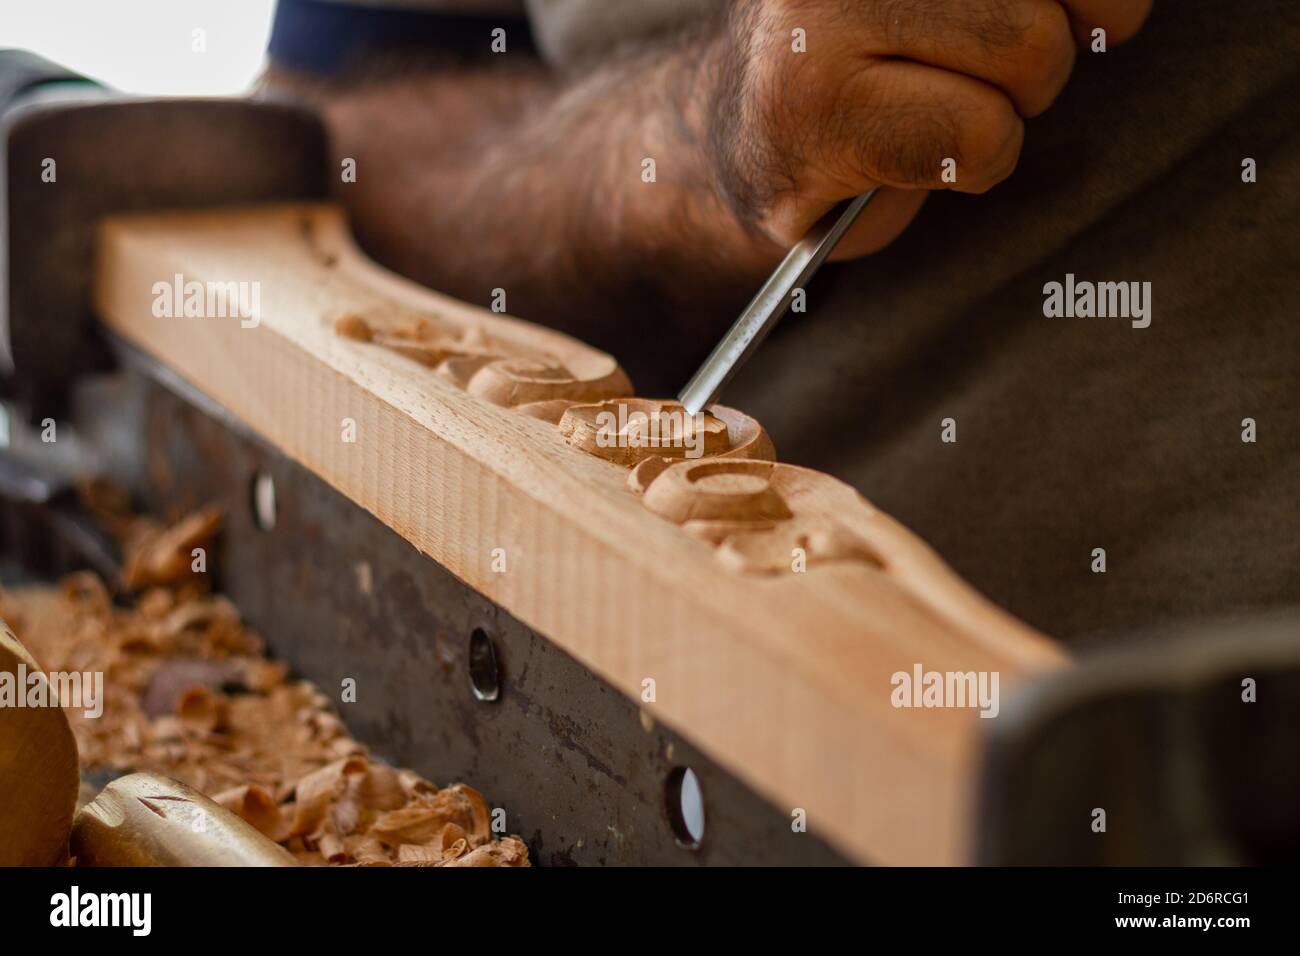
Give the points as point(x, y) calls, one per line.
point(473, 433)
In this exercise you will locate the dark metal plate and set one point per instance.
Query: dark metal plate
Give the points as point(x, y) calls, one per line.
point(113, 156)
point(1155, 732)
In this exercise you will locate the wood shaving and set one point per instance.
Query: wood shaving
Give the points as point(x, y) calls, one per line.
point(165, 556)
point(189, 693)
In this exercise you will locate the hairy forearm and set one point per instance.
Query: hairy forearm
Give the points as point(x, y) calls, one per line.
point(474, 179)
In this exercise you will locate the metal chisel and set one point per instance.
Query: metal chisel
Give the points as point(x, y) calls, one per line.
point(767, 307)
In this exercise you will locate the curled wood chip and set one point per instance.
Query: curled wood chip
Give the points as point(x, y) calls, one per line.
point(189, 694)
point(416, 824)
point(345, 814)
point(155, 602)
point(174, 677)
point(255, 806)
point(345, 747)
point(413, 784)
point(455, 850)
point(425, 819)
point(452, 834)
point(480, 828)
point(507, 852)
point(199, 708)
point(317, 792)
point(411, 854)
point(86, 590)
point(331, 846)
point(366, 850)
point(164, 557)
point(166, 729)
point(199, 616)
point(381, 788)
point(261, 676)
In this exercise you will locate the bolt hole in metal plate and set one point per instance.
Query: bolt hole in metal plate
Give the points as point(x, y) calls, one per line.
point(684, 800)
point(261, 497)
point(484, 674)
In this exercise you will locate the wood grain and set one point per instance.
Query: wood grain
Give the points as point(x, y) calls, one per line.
point(785, 678)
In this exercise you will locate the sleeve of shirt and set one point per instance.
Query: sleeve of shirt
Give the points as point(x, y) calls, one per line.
point(472, 7)
point(569, 30)
point(317, 35)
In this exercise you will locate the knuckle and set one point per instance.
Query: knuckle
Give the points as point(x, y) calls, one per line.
point(1127, 19)
point(991, 137)
point(798, 112)
point(906, 145)
point(1000, 26)
point(1045, 56)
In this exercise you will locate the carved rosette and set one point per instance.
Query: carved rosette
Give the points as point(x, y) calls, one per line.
point(762, 516)
point(537, 381)
point(715, 475)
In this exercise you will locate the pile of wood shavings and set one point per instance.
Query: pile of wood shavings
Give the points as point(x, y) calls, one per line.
point(189, 693)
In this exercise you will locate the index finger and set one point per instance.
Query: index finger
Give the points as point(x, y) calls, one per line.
point(1121, 19)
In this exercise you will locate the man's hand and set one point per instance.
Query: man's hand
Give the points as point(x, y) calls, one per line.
point(501, 176)
point(888, 93)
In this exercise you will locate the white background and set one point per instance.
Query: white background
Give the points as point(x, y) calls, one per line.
point(146, 46)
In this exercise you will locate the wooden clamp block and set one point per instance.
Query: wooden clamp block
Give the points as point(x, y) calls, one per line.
point(39, 775)
point(475, 437)
point(144, 819)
